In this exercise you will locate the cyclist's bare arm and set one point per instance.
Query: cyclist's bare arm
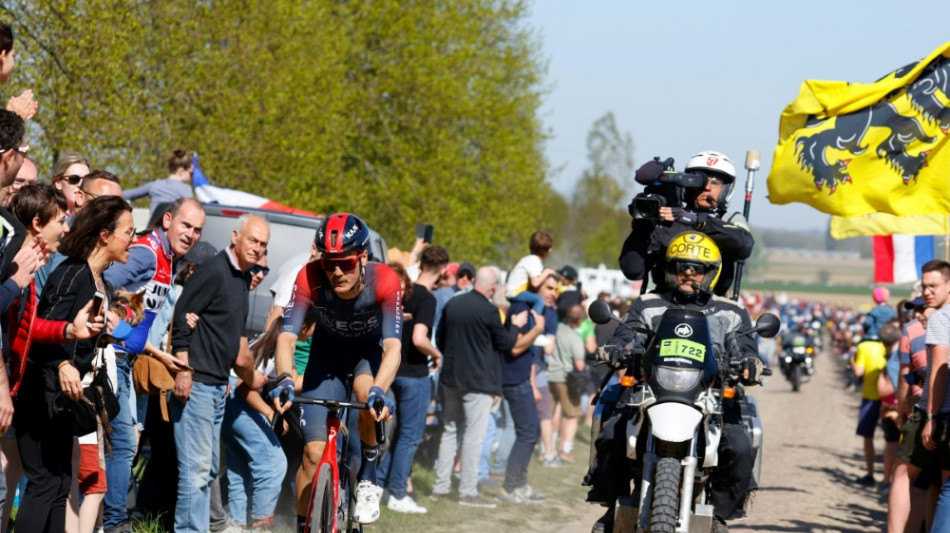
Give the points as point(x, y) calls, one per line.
point(392, 355)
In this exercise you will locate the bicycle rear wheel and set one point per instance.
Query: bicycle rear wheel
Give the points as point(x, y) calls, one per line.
point(322, 506)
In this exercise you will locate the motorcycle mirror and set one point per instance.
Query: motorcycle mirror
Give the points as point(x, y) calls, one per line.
point(767, 325)
point(599, 312)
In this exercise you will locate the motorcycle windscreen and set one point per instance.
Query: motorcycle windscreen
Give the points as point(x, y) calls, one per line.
point(683, 341)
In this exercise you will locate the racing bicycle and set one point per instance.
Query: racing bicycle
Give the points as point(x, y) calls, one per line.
point(333, 494)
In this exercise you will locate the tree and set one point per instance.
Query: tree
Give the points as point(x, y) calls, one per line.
point(599, 218)
point(400, 111)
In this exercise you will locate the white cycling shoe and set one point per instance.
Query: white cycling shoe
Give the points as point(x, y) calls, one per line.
point(367, 502)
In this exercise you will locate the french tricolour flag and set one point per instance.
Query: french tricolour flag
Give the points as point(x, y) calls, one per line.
point(209, 194)
point(899, 258)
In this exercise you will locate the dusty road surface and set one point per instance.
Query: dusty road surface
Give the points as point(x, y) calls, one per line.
point(813, 459)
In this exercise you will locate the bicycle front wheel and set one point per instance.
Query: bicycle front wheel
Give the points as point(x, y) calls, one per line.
point(322, 506)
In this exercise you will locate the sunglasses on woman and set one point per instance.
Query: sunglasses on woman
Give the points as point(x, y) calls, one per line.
point(73, 179)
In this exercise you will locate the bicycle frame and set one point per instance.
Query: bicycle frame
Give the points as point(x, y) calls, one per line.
point(329, 457)
point(330, 452)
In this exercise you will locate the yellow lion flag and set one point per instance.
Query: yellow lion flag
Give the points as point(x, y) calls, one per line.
point(850, 149)
point(885, 224)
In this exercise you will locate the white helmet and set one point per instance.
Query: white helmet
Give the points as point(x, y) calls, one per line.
point(711, 162)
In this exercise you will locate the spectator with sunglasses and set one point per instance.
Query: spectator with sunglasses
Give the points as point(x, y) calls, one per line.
point(68, 173)
point(88, 186)
point(693, 266)
point(257, 273)
point(358, 331)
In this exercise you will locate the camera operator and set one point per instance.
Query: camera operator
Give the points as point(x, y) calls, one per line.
point(704, 211)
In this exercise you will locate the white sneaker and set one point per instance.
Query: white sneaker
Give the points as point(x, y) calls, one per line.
point(405, 505)
point(542, 341)
point(367, 502)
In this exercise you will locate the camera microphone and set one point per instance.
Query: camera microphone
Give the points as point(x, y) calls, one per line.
point(649, 172)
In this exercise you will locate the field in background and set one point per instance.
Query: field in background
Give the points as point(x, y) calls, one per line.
point(843, 279)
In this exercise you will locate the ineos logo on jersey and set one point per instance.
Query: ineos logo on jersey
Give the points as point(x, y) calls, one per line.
point(352, 327)
point(683, 330)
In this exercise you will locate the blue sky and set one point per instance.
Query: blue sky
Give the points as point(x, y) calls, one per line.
point(682, 77)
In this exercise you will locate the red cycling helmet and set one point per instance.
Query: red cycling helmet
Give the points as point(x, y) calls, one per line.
point(340, 233)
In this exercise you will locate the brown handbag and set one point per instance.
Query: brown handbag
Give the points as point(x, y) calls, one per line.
point(151, 377)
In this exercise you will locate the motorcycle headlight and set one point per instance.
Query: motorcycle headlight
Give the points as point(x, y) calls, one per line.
point(677, 379)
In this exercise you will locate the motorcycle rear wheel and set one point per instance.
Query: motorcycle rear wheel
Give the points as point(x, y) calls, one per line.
point(666, 492)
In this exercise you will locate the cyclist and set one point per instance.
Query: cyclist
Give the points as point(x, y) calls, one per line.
point(358, 331)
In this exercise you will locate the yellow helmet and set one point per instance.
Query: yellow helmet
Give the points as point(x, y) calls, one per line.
point(698, 251)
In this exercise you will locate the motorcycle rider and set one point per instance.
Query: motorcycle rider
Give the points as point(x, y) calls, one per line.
point(799, 338)
point(643, 250)
point(693, 265)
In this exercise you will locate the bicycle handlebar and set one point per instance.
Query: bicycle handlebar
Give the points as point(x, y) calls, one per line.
point(335, 405)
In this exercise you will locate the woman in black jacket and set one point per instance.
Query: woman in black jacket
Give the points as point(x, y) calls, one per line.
point(100, 234)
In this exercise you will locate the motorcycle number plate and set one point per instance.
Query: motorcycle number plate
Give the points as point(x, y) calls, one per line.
point(682, 348)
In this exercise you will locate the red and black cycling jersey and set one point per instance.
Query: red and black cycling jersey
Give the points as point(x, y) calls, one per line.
point(375, 314)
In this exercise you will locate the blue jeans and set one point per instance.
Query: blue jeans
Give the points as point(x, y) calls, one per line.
point(412, 402)
point(506, 438)
point(524, 414)
point(119, 464)
point(941, 522)
point(531, 298)
point(256, 462)
point(197, 425)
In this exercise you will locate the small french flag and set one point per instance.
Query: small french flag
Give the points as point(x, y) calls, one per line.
point(209, 194)
point(899, 258)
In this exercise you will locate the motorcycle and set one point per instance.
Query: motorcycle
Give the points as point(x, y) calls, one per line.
point(675, 423)
point(797, 361)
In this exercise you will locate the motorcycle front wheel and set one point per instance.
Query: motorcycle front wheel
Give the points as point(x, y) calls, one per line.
point(796, 377)
point(666, 491)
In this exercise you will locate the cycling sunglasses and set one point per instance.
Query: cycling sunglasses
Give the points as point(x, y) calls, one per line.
point(345, 264)
point(680, 267)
